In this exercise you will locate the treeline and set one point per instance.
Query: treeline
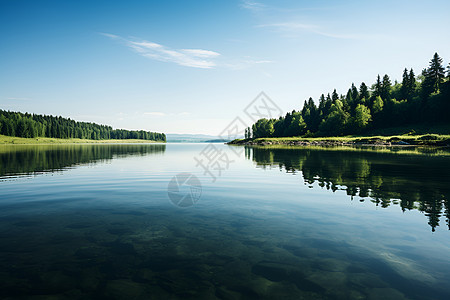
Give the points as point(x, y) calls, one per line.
point(32, 126)
point(417, 99)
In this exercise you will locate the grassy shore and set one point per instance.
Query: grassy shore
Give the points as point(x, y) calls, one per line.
point(393, 140)
point(42, 140)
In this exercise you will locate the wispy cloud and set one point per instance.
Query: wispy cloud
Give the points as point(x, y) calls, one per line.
point(113, 36)
point(195, 58)
point(200, 52)
point(295, 28)
point(253, 5)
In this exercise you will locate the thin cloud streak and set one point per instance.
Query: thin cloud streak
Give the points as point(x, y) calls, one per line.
point(253, 5)
point(293, 29)
point(113, 36)
point(195, 58)
point(200, 52)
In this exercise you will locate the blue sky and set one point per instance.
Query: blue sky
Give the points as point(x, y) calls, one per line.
point(193, 66)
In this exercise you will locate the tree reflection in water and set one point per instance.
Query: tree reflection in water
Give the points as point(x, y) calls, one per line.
point(414, 179)
point(23, 160)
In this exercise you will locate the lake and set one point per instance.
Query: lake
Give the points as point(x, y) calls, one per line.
point(199, 221)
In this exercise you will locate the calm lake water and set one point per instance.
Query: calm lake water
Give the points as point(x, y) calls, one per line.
point(96, 222)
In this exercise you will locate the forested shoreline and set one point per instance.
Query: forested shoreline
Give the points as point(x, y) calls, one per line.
point(27, 125)
point(417, 99)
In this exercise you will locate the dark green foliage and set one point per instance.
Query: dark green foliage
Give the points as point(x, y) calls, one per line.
point(297, 126)
point(335, 123)
point(405, 84)
point(377, 87)
point(355, 93)
point(310, 115)
point(31, 126)
point(386, 86)
point(411, 90)
point(364, 92)
point(424, 101)
point(435, 72)
point(248, 133)
point(426, 86)
point(334, 96)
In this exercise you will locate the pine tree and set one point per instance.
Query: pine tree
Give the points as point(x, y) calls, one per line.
point(334, 96)
point(404, 90)
point(328, 103)
point(386, 87)
point(349, 96)
point(305, 108)
point(435, 73)
point(412, 84)
point(321, 101)
point(364, 92)
point(355, 94)
point(427, 84)
point(377, 87)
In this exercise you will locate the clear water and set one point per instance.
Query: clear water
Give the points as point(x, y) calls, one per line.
point(96, 222)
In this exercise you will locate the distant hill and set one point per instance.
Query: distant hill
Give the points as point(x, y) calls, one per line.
point(193, 138)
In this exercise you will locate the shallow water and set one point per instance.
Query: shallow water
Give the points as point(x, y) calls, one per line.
point(95, 221)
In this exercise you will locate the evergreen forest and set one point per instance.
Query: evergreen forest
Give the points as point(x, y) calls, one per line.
point(417, 99)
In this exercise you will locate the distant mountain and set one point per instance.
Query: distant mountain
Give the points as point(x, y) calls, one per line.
point(193, 138)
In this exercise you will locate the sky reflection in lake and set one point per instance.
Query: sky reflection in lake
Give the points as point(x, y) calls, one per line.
point(105, 228)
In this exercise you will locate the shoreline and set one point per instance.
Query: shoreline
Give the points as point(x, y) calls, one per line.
point(12, 140)
point(429, 140)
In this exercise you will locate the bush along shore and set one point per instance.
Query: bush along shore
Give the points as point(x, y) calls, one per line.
point(418, 140)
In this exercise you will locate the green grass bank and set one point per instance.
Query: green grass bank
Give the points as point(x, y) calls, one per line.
point(43, 140)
